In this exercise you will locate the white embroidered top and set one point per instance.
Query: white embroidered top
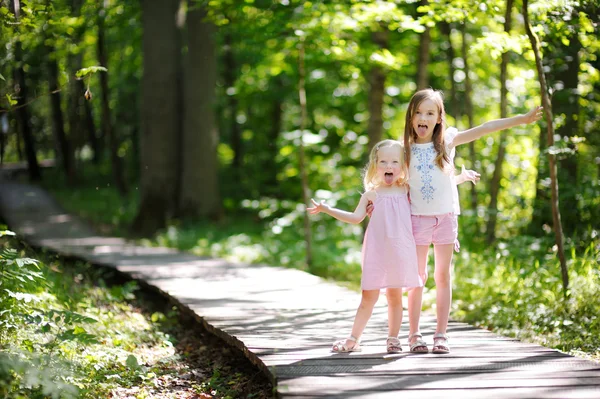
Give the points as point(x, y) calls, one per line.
point(433, 190)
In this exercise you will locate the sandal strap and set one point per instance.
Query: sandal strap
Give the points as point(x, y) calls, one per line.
point(415, 334)
point(440, 336)
point(353, 338)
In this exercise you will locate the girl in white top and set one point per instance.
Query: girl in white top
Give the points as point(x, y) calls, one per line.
point(429, 154)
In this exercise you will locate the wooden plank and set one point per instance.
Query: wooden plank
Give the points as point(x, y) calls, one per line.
point(393, 369)
point(336, 385)
point(495, 393)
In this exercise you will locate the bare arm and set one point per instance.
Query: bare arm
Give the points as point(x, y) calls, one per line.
point(349, 217)
point(497, 124)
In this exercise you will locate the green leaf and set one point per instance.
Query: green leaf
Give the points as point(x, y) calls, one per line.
point(25, 261)
point(86, 71)
point(132, 362)
point(11, 101)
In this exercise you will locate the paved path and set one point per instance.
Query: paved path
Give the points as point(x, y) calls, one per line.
point(285, 320)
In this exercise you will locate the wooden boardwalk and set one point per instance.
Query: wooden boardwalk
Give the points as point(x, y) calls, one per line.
point(285, 321)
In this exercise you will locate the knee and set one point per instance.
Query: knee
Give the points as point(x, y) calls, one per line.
point(394, 298)
point(369, 299)
point(442, 278)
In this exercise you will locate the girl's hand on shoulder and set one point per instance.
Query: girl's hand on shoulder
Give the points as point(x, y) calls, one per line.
point(370, 196)
point(317, 207)
point(534, 115)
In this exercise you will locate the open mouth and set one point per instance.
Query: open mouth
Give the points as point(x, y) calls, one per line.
point(422, 129)
point(388, 177)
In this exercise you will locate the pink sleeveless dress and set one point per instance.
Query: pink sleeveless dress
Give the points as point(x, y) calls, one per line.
point(389, 253)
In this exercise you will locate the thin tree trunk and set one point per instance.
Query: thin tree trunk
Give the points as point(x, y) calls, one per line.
point(495, 182)
point(274, 130)
point(551, 157)
point(469, 109)
point(24, 126)
point(90, 127)
point(58, 127)
point(301, 157)
point(423, 61)
point(76, 90)
point(229, 77)
point(446, 30)
point(107, 127)
point(376, 94)
point(200, 133)
point(159, 116)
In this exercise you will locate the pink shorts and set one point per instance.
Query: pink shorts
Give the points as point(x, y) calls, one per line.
point(436, 229)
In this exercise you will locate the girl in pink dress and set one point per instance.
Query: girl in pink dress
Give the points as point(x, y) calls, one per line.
point(389, 255)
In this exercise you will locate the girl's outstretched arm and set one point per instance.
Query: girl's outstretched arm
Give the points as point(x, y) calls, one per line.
point(349, 217)
point(497, 124)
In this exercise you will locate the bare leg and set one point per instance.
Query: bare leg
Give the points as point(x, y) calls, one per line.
point(415, 295)
point(363, 314)
point(394, 300)
point(443, 284)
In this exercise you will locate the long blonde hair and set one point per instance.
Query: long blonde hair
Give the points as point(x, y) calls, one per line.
point(410, 136)
point(370, 172)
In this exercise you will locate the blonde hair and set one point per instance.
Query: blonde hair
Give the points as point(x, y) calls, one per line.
point(370, 172)
point(410, 136)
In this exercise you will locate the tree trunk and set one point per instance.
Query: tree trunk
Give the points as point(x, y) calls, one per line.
point(301, 157)
point(469, 110)
point(423, 61)
point(566, 99)
point(273, 133)
point(90, 127)
point(3, 133)
point(229, 77)
point(446, 30)
point(490, 229)
point(551, 158)
point(376, 94)
point(58, 127)
point(159, 116)
point(107, 127)
point(24, 126)
point(200, 195)
point(76, 90)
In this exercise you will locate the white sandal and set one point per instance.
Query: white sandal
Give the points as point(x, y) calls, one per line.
point(419, 346)
point(341, 347)
point(440, 344)
point(393, 345)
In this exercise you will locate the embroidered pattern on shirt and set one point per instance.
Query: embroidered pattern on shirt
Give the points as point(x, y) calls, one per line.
point(425, 157)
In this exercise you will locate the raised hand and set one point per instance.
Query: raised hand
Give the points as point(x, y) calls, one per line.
point(469, 175)
point(317, 207)
point(534, 115)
